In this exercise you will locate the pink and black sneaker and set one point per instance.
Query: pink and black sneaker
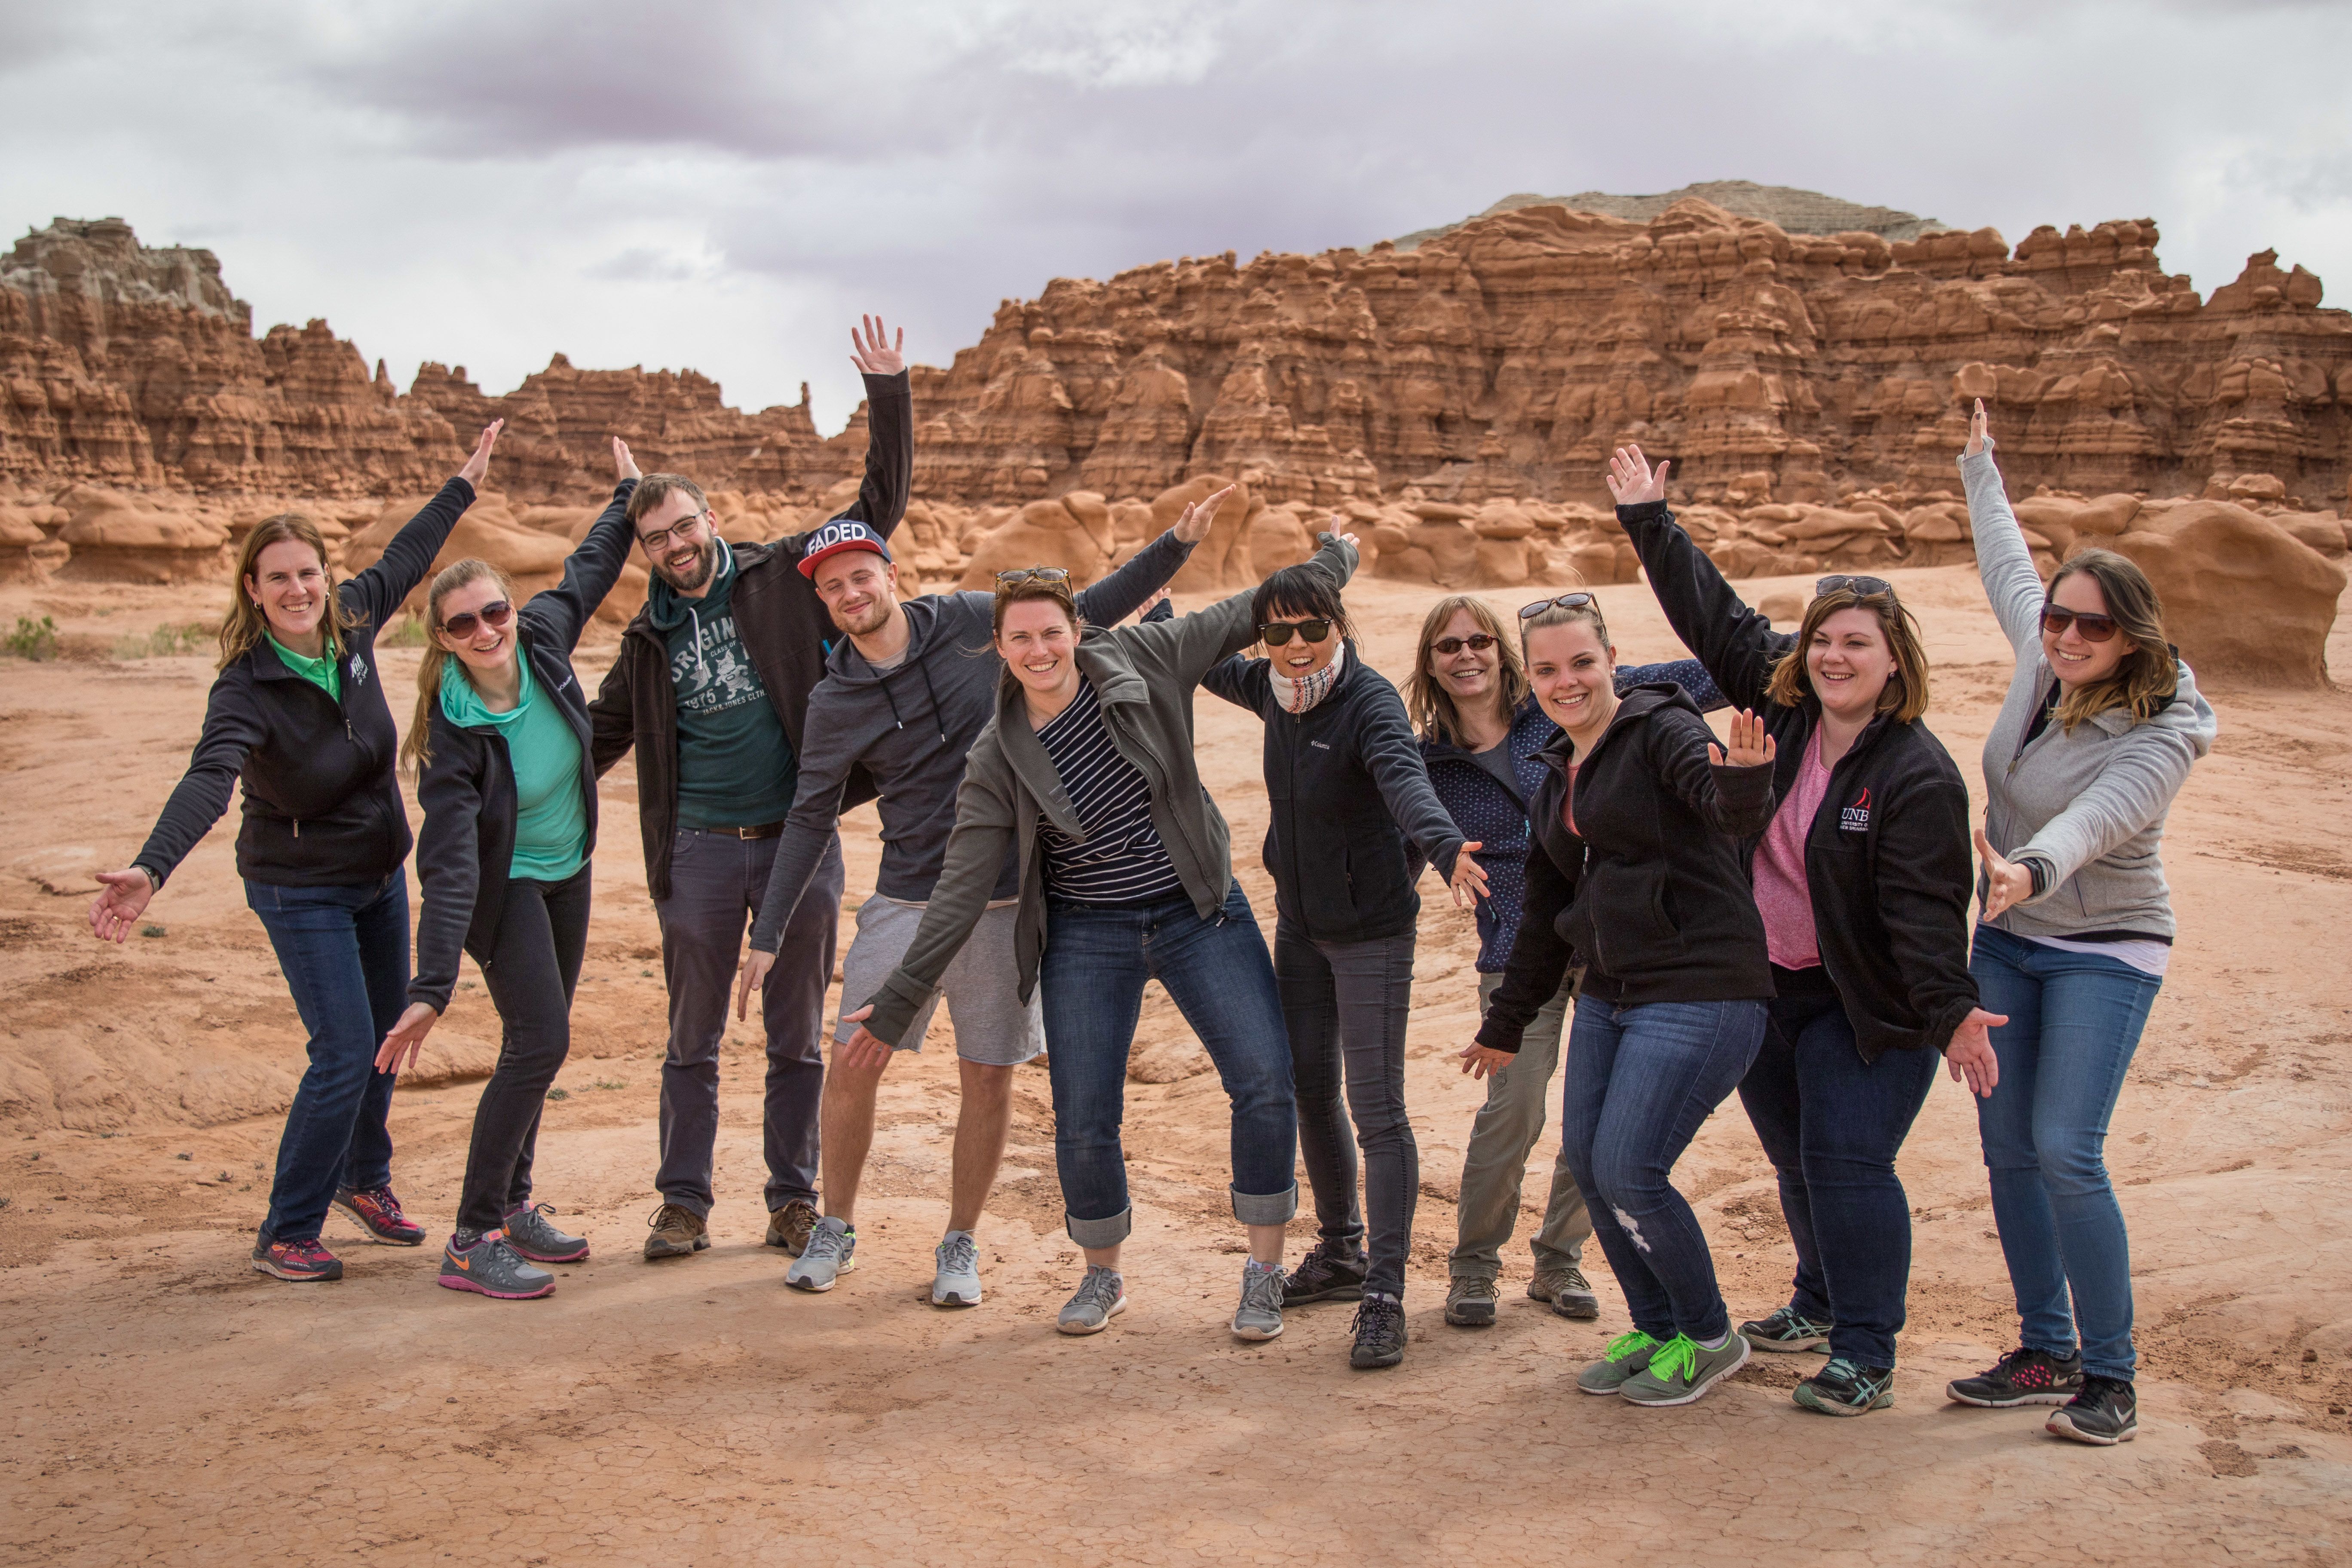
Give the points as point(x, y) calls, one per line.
point(299, 1261)
point(377, 1210)
point(2023, 1376)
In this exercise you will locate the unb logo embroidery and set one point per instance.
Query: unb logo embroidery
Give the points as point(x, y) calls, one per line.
point(1856, 818)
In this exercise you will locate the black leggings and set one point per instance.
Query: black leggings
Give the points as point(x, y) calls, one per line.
point(532, 972)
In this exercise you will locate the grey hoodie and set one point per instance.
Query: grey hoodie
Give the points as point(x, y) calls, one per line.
point(2089, 805)
point(911, 726)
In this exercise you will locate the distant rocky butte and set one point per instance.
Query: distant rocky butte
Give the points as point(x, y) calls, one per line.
point(1795, 211)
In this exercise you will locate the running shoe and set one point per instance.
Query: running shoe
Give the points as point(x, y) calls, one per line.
point(1470, 1302)
point(1259, 1317)
point(299, 1261)
point(1379, 1331)
point(1847, 1388)
point(677, 1232)
point(530, 1233)
point(378, 1212)
point(487, 1265)
point(789, 1226)
point(1626, 1354)
point(2105, 1412)
point(2023, 1376)
point(1568, 1290)
point(1683, 1370)
point(1786, 1330)
point(1100, 1297)
point(1333, 1271)
point(831, 1252)
point(957, 1281)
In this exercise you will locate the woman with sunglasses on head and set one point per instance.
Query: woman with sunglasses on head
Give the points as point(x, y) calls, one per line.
point(2098, 733)
point(298, 720)
point(1862, 878)
point(1481, 729)
point(507, 779)
point(1087, 773)
point(1635, 872)
point(1352, 818)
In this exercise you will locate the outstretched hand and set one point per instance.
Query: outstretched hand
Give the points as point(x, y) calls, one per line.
point(877, 353)
point(122, 900)
point(625, 466)
point(1970, 1054)
point(1485, 1061)
point(1192, 523)
point(1979, 431)
point(478, 467)
point(865, 1051)
point(1469, 879)
point(1631, 480)
point(2007, 883)
point(406, 1035)
point(1750, 744)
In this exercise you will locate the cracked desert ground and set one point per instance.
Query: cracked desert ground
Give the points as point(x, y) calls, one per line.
point(164, 1404)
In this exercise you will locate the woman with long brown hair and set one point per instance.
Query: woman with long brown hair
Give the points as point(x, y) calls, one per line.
point(298, 717)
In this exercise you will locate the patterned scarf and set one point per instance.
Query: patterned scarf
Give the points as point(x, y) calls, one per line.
point(1298, 696)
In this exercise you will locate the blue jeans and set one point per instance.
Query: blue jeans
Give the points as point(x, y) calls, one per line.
point(344, 953)
point(2074, 1020)
point(1096, 960)
point(1641, 1080)
point(1830, 1123)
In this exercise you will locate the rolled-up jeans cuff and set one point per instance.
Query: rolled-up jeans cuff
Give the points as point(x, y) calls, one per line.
point(1266, 1208)
point(1100, 1232)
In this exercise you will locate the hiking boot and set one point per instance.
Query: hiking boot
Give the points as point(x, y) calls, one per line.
point(2022, 1377)
point(487, 1265)
point(957, 1281)
point(831, 1252)
point(677, 1232)
point(1568, 1290)
point(1786, 1330)
point(1626, 1354)
point(1683, 1370)
point(379, 1214)
point(1847, 1388)
point(299, 1261)
point(1100, 1297)
point(530, 1233)
point(1470, 1302)
point(1259, 1317)
point(789, 1226)
point(1379, 1331)
point(2107, 1413)
point(1333, 1272)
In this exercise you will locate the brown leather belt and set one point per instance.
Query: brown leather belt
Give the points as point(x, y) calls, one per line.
point(765, 830)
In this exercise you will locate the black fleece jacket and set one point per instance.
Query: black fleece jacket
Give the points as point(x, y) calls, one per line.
point(784, 629)
point(322, 805)
point(1649, 893)
point(1886, 857)
point(468, 788)
point(1351, 803)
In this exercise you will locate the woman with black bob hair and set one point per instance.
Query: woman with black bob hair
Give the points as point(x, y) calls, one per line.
point(1351, 819)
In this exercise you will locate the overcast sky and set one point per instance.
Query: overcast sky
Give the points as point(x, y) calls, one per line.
point(725, 189)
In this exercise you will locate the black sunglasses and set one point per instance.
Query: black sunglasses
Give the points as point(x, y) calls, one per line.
point(1477, 642)
point(1565, 602)
point(1020, 574)
point(494, 614)
point(2056, 618)
point(1861, 588)
point(1276, 633)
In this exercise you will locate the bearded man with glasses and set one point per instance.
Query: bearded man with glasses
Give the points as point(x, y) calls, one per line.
point(711, 688)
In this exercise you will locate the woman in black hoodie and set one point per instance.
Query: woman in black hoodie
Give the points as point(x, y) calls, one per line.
point(1862, 881)
point(298, 717)
point(508, 781)
point(1635, 872)
point(1352, 818)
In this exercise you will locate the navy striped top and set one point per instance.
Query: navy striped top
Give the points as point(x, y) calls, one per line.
point(1120, 860)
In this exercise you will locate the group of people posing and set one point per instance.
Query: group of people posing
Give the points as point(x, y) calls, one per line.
point(1785, 912)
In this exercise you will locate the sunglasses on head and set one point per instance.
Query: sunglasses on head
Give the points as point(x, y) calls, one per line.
point(1477, 642)
point(1276, 633)
point(1565, 602)
point(494, 614)
point(1861, 588)
point(1020, 574)
point(2056, 618)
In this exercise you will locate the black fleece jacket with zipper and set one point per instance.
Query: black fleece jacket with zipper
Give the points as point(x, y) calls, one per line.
point(1649, 893)
point(322, 805)
point(467, 787)
point(1886, 857)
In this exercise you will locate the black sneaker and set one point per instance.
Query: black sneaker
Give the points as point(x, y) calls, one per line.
point(1786, 1330)
point(2107, 1413)
point(1847, 1388)
point(2022, 1377)
point(1329, 1273)
point(1379, 1331)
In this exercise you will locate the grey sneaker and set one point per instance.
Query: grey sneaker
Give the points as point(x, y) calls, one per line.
point(1786, 1330)
point(1100, 1297)
point(487, 1265)
point(1470, 1302)
point(530, 1232)
point(957, 1283)
point(831, 1252)
point(1568, 1290)
point(1259, 1317)
point(1626, 1354)
point(1682, 1370)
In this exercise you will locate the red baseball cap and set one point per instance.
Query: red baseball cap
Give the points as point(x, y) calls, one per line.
point(841, 534)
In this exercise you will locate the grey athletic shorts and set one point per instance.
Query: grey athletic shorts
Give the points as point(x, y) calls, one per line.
point(982, 983)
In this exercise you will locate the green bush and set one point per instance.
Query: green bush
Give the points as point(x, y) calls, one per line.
point(165, 641)
point(32, 640)
point(406, 632)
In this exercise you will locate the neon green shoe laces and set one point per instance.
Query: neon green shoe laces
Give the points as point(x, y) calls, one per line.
point(1625, 1345)
point(1677, 1356)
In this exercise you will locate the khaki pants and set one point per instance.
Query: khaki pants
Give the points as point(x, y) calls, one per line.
point(1496, 1164)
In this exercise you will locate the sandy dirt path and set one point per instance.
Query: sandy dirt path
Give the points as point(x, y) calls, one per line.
point(165, 1403)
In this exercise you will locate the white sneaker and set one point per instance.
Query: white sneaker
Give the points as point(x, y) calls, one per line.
point(957, 1283)
point(831, 1252)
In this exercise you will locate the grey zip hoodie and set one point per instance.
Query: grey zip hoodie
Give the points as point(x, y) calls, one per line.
point(2089, 805)
point(911, 726)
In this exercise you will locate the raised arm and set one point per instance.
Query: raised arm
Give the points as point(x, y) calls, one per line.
point(1190, 645)
point(2004, 561)
point(594, 563)
point(1230, 679)
point(377, 592)
point(1127, 590)
point(1737, 645)
point(890, 426)
point(1729, 786)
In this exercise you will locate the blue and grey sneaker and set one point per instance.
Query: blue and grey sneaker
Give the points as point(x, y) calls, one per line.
point(957, 1281)
point(485, 1264)
point(1100, 1297)
point(1847, 1388)
point(1259, 1317)
point(530, 1232)
point(1786, 1330)
point(831, 1252)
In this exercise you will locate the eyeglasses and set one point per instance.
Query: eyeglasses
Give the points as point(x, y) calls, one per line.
point(684, 528)
point(494, 614)
point(1477, 642)
point(2056, 618)
point(1565, 602)
point(1020, 574)
point(1861, 588)
point(1276, 633)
